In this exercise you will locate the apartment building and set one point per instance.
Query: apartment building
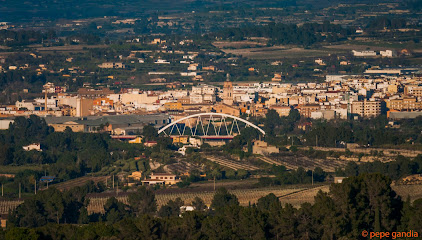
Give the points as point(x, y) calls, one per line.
point(306, 110)
point(405, 104)
point(366, 108)
point(283, 111)
point(413, 90)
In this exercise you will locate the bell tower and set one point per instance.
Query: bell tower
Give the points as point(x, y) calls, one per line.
point(228, 91)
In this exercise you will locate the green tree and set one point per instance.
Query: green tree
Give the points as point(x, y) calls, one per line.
point(29, 214)
point(143, 201)
point(22, 234)
point(223, 198)
point(172, 208)
point(150, 133)
point(360, 198)
point(114, 210)
point(268, 203)
point(198, 204)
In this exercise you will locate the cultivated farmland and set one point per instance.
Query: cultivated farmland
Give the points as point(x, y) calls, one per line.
point(245, 197)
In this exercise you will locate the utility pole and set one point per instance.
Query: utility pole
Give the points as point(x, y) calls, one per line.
point(113, 181)
point(45, 104)
point(316, 141)
point(2, 189)
point(312, 171)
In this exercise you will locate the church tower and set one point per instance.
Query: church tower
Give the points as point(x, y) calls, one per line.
point(228, 91)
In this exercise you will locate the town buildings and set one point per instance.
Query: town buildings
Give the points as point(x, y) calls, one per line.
point(93, 109)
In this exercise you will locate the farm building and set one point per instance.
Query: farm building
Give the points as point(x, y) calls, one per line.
point(161, 178)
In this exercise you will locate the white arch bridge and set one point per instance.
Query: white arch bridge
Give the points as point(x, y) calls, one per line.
point(208, 125)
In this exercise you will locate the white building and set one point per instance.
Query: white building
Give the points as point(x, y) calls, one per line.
point(364, 53)
point(203, 89)
point(162, 61)
point(388, 53)
point(34, 146)
point(112, 65)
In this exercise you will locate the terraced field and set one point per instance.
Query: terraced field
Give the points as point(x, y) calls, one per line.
point(245, 197)
point(414, 191)
point(294, 162)
point(6, 206)
point(301, 196)
point(235, 165)
point(181, 167)
point(275, 162)
point(79, 182)
point(295, 196)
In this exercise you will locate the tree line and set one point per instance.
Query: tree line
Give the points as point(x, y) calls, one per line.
point(402, 167)
point(24, 37)
point(365, 202)
point(280, 33)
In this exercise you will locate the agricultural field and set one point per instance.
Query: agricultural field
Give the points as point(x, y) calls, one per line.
point(80, 182)
point(128, 166)
point(232, 164)
point(15, 169)
point(275, 162)
point(6, 206)
point(240, 44)
point(182, 167)
point(278, 52)
point(228, 184)
point(413, 191)
point(294, 162)
point(245, 196)
point(376, 45)
point(70, 48)
point(358, 47)
point(295, 195)
point(303, 195)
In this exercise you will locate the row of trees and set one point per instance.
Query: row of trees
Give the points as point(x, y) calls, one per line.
point(54, 206)
point(298, 176)
point(363, 203)
point(279, 33)
point(24, 37)
point(395, 169)
point(336, 133)
point(368, 131)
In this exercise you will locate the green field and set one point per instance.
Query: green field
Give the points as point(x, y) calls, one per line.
point(15, 169)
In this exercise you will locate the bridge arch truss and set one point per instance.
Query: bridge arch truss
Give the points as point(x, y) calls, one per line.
point(198, 121)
